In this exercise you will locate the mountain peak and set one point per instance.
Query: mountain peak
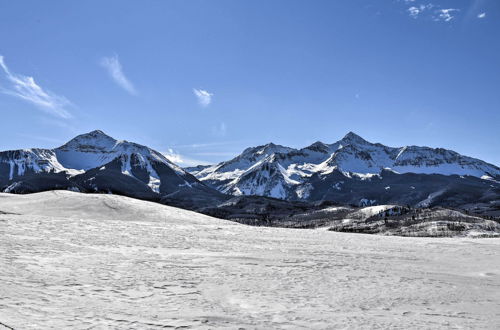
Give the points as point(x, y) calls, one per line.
point(269, 148)
point(269, 145)
point(274, 148)
point(95, 134)
point(318, 146)
point(351, 135)
point(353, 138)
point(96, 139)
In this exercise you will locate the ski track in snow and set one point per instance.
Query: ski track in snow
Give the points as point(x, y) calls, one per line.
point(104, 261)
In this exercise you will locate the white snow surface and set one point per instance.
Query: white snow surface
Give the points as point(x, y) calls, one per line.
point(370, 211)
point(77, 261)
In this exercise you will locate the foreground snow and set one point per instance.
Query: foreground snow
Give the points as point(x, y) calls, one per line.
point(70, 260)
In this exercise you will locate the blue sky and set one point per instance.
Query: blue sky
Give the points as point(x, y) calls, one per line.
point(203, 80)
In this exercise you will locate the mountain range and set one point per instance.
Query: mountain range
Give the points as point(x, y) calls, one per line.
point(353, 170)
point(349, 171)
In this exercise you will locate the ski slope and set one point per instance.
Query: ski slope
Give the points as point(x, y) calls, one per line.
point(70, 260)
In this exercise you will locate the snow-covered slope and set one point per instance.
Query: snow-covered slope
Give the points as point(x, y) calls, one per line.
point(20, 162)
point(282, 172)
point(233, 168)
point(101, 207)
point(84, 261)
point(267, 177)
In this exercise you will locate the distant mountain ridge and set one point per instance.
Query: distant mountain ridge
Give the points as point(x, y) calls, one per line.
point(349, 171)
point(331, 171)
point(95, 162)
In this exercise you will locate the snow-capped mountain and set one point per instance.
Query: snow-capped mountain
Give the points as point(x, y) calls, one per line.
point(288, 173)
point(232, 169)
point(94, 162)
point(351, 170)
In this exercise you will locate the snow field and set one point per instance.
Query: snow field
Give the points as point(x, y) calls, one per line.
point(70, 260)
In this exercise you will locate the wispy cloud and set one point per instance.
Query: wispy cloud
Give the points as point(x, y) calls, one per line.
point(183, 160)
point(445, 14)
point(425, 9)
point(203, 96)
point(114, 68)
point(25, 87)
point(415, 11)
point(482, 15)
point(205, 153)
point(173, 156)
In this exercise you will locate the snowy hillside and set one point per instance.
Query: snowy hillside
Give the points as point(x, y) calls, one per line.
point(288, 173)
point(73, 205)
point(75, 261)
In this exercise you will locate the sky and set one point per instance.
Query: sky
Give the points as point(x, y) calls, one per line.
point(202, 80)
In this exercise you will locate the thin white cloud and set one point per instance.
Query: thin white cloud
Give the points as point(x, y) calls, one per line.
point(25, 87)
point(482, 15)
point(114, 68)
point(173, 156)
point(183, 160)
point(429, 10)
point(194, 154)
point(415, 11)
point(203, 96)
point(445, 14)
